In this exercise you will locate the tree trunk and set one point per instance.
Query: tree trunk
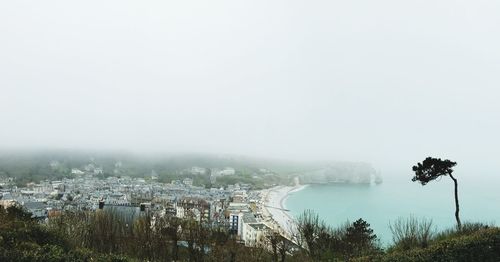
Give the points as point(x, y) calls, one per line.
point(457, 209)
point(175, 248)
point(283, 248)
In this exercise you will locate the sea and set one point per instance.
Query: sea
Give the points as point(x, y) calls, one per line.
point(399, 197)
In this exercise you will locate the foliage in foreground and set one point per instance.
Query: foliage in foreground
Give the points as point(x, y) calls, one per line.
point(23, 239)
point(323, 243)
point(482, 245)
point(414, 240)
point(408, 233)
point(104, 237)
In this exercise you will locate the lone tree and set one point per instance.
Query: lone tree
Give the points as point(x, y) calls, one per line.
point(432, 168)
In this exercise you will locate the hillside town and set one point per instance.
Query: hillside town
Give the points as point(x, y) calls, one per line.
point(236, 208)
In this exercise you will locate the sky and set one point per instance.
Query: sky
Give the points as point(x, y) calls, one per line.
point(377, 81)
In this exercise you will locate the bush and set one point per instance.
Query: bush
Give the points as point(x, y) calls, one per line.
point(23, 239)
point(411, 233)
point(482, 245)
point(466, 229)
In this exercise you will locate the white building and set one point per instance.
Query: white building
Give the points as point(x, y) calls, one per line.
point(188, 182)
point(246, 219)
point(236, 213)
point(179, 212)
point(235, 224)
point(228, 171)
point(76, 171)
point(255, 234)
point(198, 170)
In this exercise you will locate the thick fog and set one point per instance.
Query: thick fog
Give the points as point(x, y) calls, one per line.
point(376, 81)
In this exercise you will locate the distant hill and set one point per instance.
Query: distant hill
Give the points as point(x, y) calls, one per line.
point(342, 172)
point(34, 166)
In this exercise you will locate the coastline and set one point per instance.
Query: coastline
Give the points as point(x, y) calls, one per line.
point(277, 216)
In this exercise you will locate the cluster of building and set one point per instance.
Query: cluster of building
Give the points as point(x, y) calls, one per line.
point(213, 173)
point(237, 208)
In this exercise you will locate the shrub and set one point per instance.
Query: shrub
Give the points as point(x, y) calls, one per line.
point(466, 229)
point(411, 233)
point(482, 245)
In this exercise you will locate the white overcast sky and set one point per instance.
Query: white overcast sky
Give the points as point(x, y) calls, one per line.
point(350, 80)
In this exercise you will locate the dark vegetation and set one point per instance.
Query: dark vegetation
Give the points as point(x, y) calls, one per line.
point(414, 240)
point(323, 243)
point(104, 236)
point(24, 239)
point(473, 242)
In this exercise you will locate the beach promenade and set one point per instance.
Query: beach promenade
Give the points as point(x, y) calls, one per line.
point(274, 209)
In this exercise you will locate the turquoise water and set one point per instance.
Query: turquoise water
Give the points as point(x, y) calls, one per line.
point(381, 204)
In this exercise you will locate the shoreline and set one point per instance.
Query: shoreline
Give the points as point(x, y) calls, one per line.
point(275, 209)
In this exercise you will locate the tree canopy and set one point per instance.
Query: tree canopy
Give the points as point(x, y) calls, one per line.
point(432, 168)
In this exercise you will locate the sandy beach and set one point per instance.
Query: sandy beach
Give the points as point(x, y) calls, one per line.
point(274, 207)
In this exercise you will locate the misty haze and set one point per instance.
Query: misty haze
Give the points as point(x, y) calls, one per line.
point(249, 130)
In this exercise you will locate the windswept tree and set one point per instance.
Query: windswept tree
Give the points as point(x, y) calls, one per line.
point(433, 168)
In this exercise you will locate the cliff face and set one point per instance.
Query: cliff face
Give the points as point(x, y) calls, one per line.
point(357, 173)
